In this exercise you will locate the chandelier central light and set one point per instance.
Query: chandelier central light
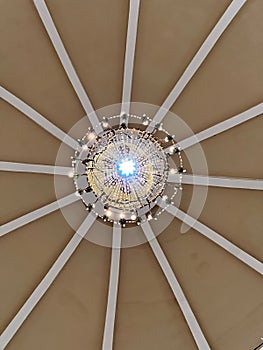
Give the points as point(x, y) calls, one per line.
point(126, 167)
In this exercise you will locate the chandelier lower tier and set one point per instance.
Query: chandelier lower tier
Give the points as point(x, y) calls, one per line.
point(122, 172)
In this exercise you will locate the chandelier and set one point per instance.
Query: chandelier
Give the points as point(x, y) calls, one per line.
point(121, 173)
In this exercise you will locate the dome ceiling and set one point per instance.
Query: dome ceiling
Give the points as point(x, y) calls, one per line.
point(198, 285)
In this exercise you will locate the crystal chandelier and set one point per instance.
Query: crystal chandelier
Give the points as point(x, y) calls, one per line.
point(122, 172)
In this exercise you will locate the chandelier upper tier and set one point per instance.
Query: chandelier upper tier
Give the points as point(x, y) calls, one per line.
point(122, 172)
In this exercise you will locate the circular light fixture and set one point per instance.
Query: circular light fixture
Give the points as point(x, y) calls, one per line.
point(122, 172)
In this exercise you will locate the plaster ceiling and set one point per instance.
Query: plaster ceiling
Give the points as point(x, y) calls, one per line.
point(224, 293)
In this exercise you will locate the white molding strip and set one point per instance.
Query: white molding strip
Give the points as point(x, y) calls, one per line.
point(35, 168)
point(129, 55)
point(216, 238)
point(108, 335)
point(176, 288)
point(46, 282)
point(222, 126)
point(198, 59)
point(38, 213)
point(38, 118)
point(66, 63)
point(216, 181)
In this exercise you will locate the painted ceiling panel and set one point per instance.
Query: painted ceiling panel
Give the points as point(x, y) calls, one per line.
point(82, 29)
point(17, 190)
point(162, 55)
point(236, 157)
point(31, 144)
point(75, 317)
point(216, 286)
point(142, 301)
point(236, 215)
point(26, 255)
point(30, 67)
point(230, 79)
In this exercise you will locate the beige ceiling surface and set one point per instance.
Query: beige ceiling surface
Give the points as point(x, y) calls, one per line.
point(30, 143)
point(147, 300)
point(235, 214)
point(26, 255)
point(225, 294)
point(230, 79)
point(18, 190)
point(166, 43)
point(99, 66)
point(239, 158)
point(221, 291)
point(76, 301)
point(30, 67)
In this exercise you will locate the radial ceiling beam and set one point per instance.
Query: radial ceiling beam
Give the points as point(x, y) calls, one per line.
point(46, 282)
point(198, 59)
point(229, 182)
point(35, 168)
point(129, 55)
point(66, 63)
point(113, 289)
point(176, 288)
point(222, 126)
point(38, 118)
point(216, 238)
point(38, 213)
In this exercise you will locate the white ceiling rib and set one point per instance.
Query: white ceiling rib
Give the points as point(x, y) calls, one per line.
point(46, 282)
point(37, 118)
point(38, 213)
point(176, 288)
point(129, 55)
point(222, 126)
point(35, 168)
point(198, 59)
point(217, 181)
point(108, 335)
point(216, 238)
point(66, 63)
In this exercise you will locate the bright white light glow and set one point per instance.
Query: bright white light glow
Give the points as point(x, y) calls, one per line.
point(108, 213)
point(91, 136)
point(126, 167)
point(172, 171)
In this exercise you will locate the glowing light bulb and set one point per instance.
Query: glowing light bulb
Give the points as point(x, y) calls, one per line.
point(133, 217)
point(91, 136)
point(171, 149)
point(173, 171)
point(108, 213)
point(149, 217)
